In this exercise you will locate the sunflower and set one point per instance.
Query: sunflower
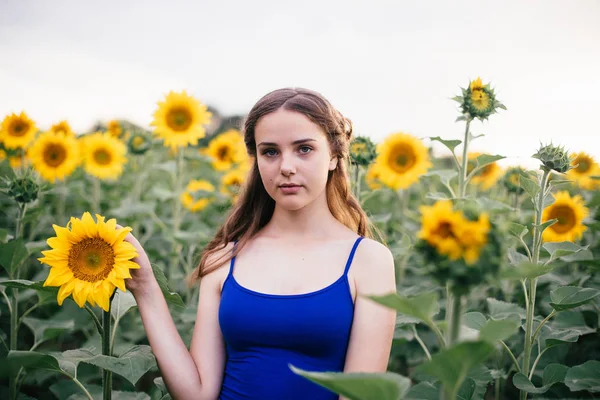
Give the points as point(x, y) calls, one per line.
point(473, 235)
point(570, 213)
point(372, 177)
point(439, 224)
point(179, 120)
point(478, 100)
point(103, 155)
point(226, 149)
point(197, 189)
point(17, 131)
point(584, 167)
point(362, 151)
point(114, 128)
point(62, 128)
point(54, 155)
point(231, 182)
point(402, 160)
point(88, 260)
point(512, 179)
point(485, 177)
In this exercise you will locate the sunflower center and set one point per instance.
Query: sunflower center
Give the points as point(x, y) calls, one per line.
point(54, 155)
point(444, 230)
point(138, 141)
point(402, 159)
point(179, 119)
point(514, 179)
point(583, 165)
point(18, 129)
point(91, 259)
point(565, 216)
point(223, 153)
point(102, 157)
point(480, 99)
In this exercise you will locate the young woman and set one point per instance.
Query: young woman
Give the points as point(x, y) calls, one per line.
point(285, 278)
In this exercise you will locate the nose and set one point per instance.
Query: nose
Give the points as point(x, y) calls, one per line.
point(287, 166)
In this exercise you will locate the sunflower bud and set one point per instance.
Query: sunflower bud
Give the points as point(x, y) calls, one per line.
point(139, 143)
point(512, 180)
point(23, 190)
point(554, 158)
point(478, 100)
point(362, 151)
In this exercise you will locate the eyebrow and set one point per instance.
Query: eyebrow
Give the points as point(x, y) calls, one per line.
point(294, 142)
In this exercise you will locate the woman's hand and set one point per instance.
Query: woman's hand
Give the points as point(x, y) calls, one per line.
point(142, 278)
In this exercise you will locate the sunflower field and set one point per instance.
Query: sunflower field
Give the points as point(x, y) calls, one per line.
point(498, 277)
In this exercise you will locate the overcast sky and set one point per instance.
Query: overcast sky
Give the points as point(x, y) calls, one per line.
point(387, 65)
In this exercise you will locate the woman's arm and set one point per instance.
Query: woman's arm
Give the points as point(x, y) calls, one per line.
point(194, 374)
point(373, 327)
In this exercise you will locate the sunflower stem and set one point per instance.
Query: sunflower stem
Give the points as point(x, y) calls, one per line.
point(357, 182)
point(106, 374)
point(177, 182)
point(96, 189)
point(530, 309)
point(95, 319)
point(462, 182)
point(454, 328)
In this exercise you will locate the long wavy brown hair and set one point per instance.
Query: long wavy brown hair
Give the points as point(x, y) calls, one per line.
point(254, 207)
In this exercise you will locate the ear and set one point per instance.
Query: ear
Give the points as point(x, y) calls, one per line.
point(333, 163)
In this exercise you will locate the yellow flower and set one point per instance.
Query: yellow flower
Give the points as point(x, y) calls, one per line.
point(570, 213)
point(401, 161)
point(232, 181)
point(114, 128)
point(88, 260)
point(480, 100)
point(62, 128)
point(54, 155)
point(372, 177)
point(485, 177)
point(473, 235)
point(104, 156)
point(586, 167)
point(187, 197)
point(17, 131)
point(438, 227)
point(476, 84)
point(179, 120)
point(226, 149)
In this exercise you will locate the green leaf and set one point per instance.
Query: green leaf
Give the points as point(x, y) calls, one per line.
point(424, 391)
point(526, 269)
point(474, 320)
point(517, 230)
point(584, 377)
point(452, 365)
point(494, 331)
point(437, 196)
point(555, 337)
point(566, 297)
point(531, 187)
point(31, 359)
point(499, 309)
point(46, 329)
point(423, 306)
point(46, 294)
point(12, 255)
point(553, 373)
point(131, 365)
point(542, 227)
point(359, 386)
point(128, 210)
point(121, 303)
point(562, 249)
point(466, 390)
point(171, 297)
point(483, 160)
point(515, 258)
point(450, 144)
point(445, 175)
point(162, 193)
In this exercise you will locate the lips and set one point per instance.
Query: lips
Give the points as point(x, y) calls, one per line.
point(289, 185)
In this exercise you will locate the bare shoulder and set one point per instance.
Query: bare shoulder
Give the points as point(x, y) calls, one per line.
point(219, 262)
point(373, 267)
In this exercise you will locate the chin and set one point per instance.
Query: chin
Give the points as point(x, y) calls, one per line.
point(291, 204)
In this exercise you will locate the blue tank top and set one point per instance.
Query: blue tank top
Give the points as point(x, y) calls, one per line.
point(264, 333)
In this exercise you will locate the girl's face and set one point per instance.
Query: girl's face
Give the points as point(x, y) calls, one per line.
point(293, 158)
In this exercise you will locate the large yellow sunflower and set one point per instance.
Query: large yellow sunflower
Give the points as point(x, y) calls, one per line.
point(473, 235)
point(17, 131)
point(438, 227)
point(194, 186)
point(402, 160)
point(62, 128)
point(54, 155)
point(586, 167)
point(103, 155)
point(486, 177)
point(179, 120)
point(88, 260)
point(570, 213)
point(226, 149)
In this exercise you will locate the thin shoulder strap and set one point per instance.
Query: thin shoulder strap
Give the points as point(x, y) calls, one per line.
point(232, 263)
point(351, 257)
